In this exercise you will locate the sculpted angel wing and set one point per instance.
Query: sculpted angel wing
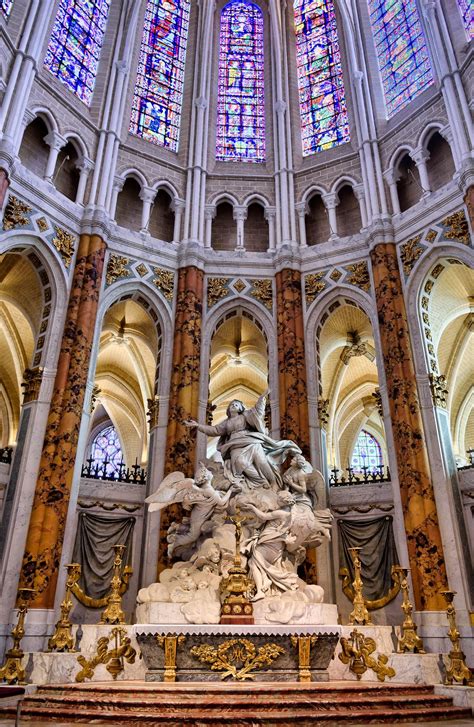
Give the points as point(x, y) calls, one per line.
point(172, 489)
point(316, 485)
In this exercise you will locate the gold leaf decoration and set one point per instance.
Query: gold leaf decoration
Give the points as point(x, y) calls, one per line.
point(263, 292)
point(142, 270)
point(164, 281)
point(64, 243)
point(116, 268)
point(409, 254)
point(15, 213)
point(457, 227)
point(313, 286)
point(237, 657)
point(359, 275)
point(216, 290)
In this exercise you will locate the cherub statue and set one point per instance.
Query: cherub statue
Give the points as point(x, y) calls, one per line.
point(308, 525)
point(198, 496)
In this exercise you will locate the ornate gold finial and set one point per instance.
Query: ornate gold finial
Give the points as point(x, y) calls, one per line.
point(113, 658)
point(236, 606)
point(357, 651)
point(31, 384)
point(153, 412)
point(408, 639)
point(62, 639)
point(113, 613)
point(12, 670)
point(457, 669)
point(359, 614)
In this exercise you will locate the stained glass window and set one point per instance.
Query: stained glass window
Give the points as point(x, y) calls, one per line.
point(6, 7)
point(106, 446)
point(241, 101)
point(467, 11)
point(323, 111)
point(74, 48)
point(158, 98)
point(401, 50)
point(367, 453)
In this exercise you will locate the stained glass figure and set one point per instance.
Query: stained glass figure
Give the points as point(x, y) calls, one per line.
point(367, 453)
point(158, 98)
point(467, 11)
point(401, 51)
point(106, 446)
point(323, 111)
point(75, 44)
point(241, 100)
point(6, 6)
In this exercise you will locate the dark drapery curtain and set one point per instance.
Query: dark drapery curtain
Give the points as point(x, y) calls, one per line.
point(96, 535)
point(377, 556)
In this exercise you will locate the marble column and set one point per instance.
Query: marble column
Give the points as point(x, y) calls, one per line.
point(48, 516)
point(425, 550)
point(184, 389)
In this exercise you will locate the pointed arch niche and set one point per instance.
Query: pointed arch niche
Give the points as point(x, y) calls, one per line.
point(349, 379)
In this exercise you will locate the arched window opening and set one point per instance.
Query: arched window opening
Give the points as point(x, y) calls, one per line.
point(467, 12)
point(162, 217)
point(367, 453)
point(129, 205)
point(6, 7)
point(323, 111)
point(158, 98)
point(106, 451)
point(224, 229)
point(316, 222)
point(440, 164)
point(349, 221)
point(66, 175)
point(408, 184)
point(74, 48)
point(34, 151)
point(401, 51)
point(241, 101)
point(256, 233)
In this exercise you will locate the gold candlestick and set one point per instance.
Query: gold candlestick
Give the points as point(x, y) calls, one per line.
point(62, 638)
point(12, 670)
point(409, 641)
point(359, 614)
point(457, 669)
point(113, 613)
point(236, 607)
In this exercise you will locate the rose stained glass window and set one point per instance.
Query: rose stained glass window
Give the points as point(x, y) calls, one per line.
point(158, 97)
point(106, 447)
point(241, 101)
point(6, 7)
point(75, 44)
point(323, 111)
point(467, 11)
point(367, 453)
point(401, 51)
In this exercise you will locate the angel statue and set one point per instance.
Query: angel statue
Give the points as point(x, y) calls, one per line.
point(250, 456)
point(309, 525)
point(198, 496)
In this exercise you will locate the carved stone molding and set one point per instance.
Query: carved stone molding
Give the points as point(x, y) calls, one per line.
point(31, 384)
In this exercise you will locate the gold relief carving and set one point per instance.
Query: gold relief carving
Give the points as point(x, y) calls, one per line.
point(239, 285)
point(431, 235)
point(236, 586)
point(424, 302)
point(431, 350)
point(360, 275)
point(457, 670)
point(437, 270)
point(64, 243)
point(457, 227)
point(42, 224)
point(428, 334)
point(142, 270)
point(323, 412)
point(113, 658)
point(426, 319)
point(359, 613)
point(409, 254)
point(96, 392)
point(439, 390)
point(304, 644)
point(313, 286)
point(109, 507)
point(164, 281)
point(31, 384)
point(153, 412)
point(377, 396)
point(15, 213)
point(434, 366)
point(343, 572)
point(429, 286)
point(116, 268)
point(62, 639)
point(12, 670)
point(357, 652)
point(216, 290)
point(237, 657)
point(170, 644)
point(408, 641)
point(336, 275)
point(113, 613)
point(263, 292)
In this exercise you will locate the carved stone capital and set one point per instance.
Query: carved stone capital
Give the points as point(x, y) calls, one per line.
point(32, 379)
point(54, 140)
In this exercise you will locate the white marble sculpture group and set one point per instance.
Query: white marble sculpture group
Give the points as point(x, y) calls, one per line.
point(281, 521)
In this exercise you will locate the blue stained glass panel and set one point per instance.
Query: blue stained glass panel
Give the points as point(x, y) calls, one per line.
point(401, 51)
point(367, 453)
point(158, 97)
point(106, 446)
point(241, 101)
point(6, 7)
point(75, 44)
point(467, 11)
point(323, 111)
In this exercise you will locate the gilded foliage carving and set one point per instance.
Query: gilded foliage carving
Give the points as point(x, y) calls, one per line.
point(359, 275)
point(116, 268)
point(164, 281)
point(263, 292)
point(409, 254)
point(238, 657)
point(439, 390)
point(313, 286)
point(64, 243)
point(15, 214)
point(457, 228)
point(216, 290)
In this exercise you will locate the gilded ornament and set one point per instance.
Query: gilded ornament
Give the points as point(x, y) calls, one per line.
point(437, 270)
point(263, 292)
point(408, 641)
point(377, 396)
point(439, 389)
point(42, 224)
point(336, 275)
point(239, 285)
point(424, 302)
point(62, 638)
point(304, 643)
point(170, 643)
point(236, 587)
point(313, 286)
point(457, 228)
point(31, 384)
point(116, 268)
point(426, 318)
point(429, 286)
point(360, 275)
point(323, 412)
point(431, 236)
point(96, 392)
point(142, 270)
point(113, 658)
point(15, 213)
point(153, 412)
point(409, 254)
point(216, 290)
point(164, 281)
point(457, 670)
point(64, 243)
point(359, 613)
point(113, 613)
point(12, 670)
point(357, 652)
point(238, 657)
